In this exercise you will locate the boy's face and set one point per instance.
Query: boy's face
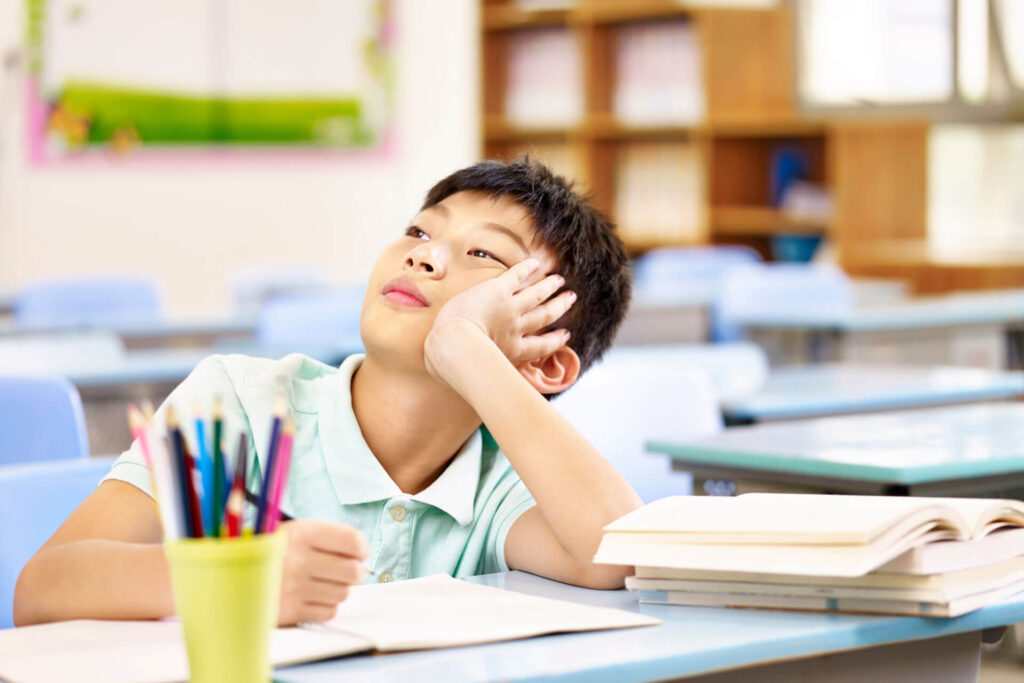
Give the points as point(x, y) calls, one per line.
point(466, 239)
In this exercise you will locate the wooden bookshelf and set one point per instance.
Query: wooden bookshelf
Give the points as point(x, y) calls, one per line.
point(875, 173)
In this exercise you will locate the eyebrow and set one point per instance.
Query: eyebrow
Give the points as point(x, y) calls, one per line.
point(497, 227)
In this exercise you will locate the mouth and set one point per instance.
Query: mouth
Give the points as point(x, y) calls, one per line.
point(402, 292)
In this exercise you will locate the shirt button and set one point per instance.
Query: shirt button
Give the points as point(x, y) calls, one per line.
point(386, 578)
point(398, 513)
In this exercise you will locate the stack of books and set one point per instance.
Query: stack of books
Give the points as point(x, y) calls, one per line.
point(659, 192)
point(887, 555)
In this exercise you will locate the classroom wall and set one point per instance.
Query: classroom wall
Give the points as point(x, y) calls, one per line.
point(191, 225)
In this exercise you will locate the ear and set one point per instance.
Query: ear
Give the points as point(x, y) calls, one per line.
point(554, 372)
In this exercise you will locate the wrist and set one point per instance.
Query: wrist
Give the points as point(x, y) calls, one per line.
point(455, 348)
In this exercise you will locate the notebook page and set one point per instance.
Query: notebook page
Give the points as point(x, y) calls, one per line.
point(93, 651)
point(784, 517)
point(439, 611)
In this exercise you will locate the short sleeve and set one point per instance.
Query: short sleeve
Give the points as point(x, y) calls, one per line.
point(209, 379)
point(515, 501)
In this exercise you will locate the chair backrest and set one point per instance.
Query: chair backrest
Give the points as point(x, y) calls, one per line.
point(251, 288)
point(328, 319)
point(40, 419)
point(59, 353)
point(736, 369)
point(760, 290)
point(35, 499)
point(620, 406)
point(662, 272)
point(87, 301)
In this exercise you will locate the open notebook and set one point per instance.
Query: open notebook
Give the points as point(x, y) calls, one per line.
point(801, 533)
point(430, 612)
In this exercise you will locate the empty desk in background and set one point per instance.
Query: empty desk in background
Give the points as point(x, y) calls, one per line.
point(979, 329)
point(172, 332)
point(106, 387)
point(679, 318)
point(707, 644)
point(832, 389)
point(972, 450)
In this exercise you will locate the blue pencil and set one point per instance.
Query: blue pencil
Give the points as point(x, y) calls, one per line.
point(205, 465)
point(182, 470)
point(275, 434)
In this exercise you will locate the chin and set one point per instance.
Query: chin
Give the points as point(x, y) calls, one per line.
point(394, 339)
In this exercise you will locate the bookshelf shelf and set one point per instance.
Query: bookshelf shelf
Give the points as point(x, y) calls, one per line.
point(646, 66)
point(509, 17)
point(756, 220)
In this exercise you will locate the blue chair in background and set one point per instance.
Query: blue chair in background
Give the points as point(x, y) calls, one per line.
point(774, 290)
point(311, 321)
point(35, 499)
point(40, 419)
point(251, 288)
point(87, 301)
point(689, 275)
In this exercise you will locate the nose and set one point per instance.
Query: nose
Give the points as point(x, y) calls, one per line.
point(426, 258)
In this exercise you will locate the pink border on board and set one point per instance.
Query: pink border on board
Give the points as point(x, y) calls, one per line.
point(37, 114)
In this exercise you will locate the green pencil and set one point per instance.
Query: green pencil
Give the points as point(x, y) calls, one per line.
point(218, 467)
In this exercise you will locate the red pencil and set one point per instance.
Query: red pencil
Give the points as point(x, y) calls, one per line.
point(236, 499)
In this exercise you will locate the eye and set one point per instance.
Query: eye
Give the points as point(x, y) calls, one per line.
point(413, 231)
point(480, 253)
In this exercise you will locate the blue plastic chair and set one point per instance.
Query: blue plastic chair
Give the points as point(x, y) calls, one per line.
point(35, 500)
point(777, 289)
point(312, 320)
point(40, 419)
point(87, 301)
point(251, 288)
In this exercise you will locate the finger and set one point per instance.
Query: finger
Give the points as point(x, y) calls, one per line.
point(516, 277)
point(336, 568)
point(533, 295)
point(324, 592)
point(340, 539)
point(536, 346)
point(547, 313)
point(314, 611)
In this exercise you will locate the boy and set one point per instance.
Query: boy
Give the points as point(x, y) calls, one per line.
point(463, 326)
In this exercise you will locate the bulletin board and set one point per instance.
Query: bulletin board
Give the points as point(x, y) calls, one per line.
point(128, 78)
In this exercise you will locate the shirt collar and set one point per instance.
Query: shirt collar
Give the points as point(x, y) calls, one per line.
point(358, 477)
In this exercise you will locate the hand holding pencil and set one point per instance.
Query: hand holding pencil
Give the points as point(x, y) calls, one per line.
point(322, 559)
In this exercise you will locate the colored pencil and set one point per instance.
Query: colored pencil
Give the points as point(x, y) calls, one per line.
point(204, 464)
point(280, 475)
point(236, 500)
point(275, 435)
point(161, 475)
point(216, 497)
point(190, 502)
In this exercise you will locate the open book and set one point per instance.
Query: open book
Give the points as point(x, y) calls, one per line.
point(430, 612)
point(803, 534)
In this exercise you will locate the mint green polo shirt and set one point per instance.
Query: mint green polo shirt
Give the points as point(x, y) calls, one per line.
point(457, 525)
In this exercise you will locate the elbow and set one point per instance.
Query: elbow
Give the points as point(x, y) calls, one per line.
point(604, 576)
point(26, 612)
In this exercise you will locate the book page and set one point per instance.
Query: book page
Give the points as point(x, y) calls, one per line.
point(439, 611)
point(139, 651)
point(792, 518)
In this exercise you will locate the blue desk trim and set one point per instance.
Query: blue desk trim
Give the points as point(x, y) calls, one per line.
point(693, 640)
point(918, 474)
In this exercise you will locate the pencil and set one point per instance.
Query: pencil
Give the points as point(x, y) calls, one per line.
point(280, 478)
point(182, 471)
point(275, 436)
point(236, 499)
point(217, 495)
point(193, 515)
point(205, 466)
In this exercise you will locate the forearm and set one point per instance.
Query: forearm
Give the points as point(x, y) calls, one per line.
point(577, 490)
point(94, 579)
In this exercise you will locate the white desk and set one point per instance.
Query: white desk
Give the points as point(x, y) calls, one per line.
point(982, 329)
point(832, 389)
point(971, 450)
point(696, 643)
point(174, 332)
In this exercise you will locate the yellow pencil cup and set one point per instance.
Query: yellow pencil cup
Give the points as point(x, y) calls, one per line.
point(226, 592)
